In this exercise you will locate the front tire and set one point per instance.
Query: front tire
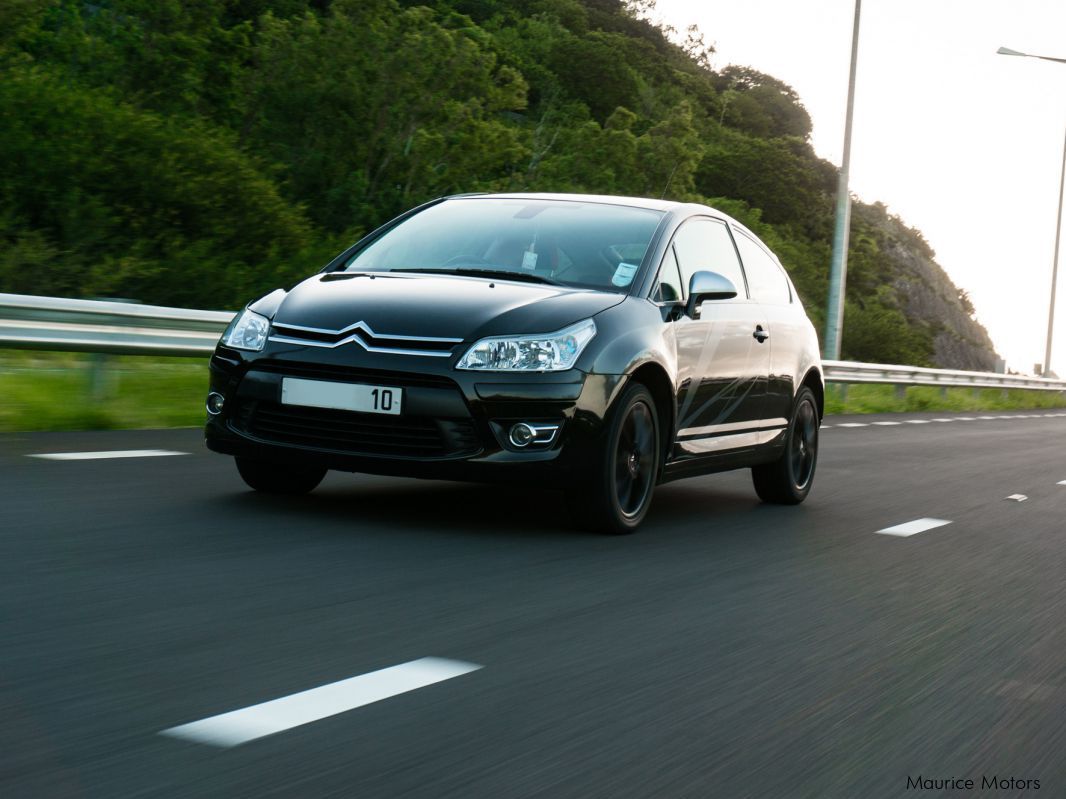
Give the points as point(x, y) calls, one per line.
point(788, 480)
point(271, 477)
point(617, 494)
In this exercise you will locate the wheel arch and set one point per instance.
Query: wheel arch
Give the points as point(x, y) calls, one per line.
point(813, 380)
point(655, 378)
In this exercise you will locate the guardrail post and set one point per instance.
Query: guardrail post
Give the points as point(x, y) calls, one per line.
point(100, 376)
point(901, 391)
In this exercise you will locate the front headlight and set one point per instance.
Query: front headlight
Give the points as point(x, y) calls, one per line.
point(247, 332)
point(547, 352)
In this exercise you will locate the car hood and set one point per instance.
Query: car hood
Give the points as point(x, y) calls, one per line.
point(437, 306)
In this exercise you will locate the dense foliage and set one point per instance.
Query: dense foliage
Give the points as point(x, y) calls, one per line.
point(200, 153)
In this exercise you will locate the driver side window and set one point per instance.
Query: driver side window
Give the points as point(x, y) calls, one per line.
point(704, 244)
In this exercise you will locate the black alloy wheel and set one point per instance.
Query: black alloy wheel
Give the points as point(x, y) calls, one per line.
point(788, 480)
point(618, 494)
point(271, 477)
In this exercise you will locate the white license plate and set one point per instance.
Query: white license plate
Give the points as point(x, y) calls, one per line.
point(341, 396)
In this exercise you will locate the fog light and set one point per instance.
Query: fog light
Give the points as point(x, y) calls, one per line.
point(215, 401)
point(522, 434)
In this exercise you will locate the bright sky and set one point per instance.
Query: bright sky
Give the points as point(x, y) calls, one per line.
point(963, 144)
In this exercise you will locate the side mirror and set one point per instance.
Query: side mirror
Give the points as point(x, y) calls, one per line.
point(707, 286)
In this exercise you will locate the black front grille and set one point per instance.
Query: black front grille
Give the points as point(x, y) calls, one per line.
point(346, 374)
point(356, 433)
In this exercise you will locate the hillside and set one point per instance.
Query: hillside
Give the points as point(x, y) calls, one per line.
point(199, 154)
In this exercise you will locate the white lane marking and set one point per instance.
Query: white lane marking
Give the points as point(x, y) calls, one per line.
point(1061, 483)
point(826, 426)
point(278, 715)
point(1017, 497)
point(913, 528)
point(943, 419)
point(118, 453)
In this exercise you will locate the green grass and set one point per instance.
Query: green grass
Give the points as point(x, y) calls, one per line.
point(875, 398)
point(55, 391)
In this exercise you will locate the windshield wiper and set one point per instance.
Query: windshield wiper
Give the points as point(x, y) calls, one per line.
point(502, 274)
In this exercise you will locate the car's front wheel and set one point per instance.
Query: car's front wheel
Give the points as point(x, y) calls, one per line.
point(616, 495)
point(788, 480)
point(272, 477)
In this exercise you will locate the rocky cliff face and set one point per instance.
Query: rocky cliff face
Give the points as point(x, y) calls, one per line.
point(928, 297)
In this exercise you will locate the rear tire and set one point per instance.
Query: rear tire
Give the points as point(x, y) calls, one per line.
point(272, 477)
point(788, 480)
point(618, 491)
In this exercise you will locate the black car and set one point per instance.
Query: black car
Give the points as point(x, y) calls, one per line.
point(598, 345)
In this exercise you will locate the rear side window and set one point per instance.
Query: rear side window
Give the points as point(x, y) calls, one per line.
point(704, 244)
point(767, 282)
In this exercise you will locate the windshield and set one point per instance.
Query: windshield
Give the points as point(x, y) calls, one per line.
point(587, 245)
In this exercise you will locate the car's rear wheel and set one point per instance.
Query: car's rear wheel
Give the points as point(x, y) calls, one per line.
point(273, 477)
point(616, 495)
point(788, 480)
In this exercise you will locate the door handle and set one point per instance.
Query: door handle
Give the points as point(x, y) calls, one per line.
point(760, 334)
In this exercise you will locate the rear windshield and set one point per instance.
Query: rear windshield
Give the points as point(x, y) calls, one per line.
point(586, 245)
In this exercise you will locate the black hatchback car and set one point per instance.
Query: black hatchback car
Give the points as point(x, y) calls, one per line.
point(599, 345)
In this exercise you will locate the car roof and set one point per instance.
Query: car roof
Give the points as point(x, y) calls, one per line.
point(604, 199)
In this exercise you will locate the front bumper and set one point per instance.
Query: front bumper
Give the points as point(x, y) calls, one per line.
point(454, 423)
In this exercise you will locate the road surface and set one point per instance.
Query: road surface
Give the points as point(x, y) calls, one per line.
point(727, 649)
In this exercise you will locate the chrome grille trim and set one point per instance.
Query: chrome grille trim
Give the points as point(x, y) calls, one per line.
point(366, 329)
point(384, 350)
point(282, 333)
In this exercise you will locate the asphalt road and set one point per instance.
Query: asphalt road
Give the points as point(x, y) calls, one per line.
point(727, 649)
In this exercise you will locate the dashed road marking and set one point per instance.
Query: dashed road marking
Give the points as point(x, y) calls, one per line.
point(1061, 483)
point(913, 528)
point(118, 453)
point(946, 419)
point(278, 715)
point(1017, 497)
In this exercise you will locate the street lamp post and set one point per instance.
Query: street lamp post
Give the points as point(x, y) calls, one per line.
point(1058, 222)
point(838, 267)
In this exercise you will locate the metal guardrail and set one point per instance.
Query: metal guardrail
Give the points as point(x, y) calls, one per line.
point(61, 325)
point(853, 372)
